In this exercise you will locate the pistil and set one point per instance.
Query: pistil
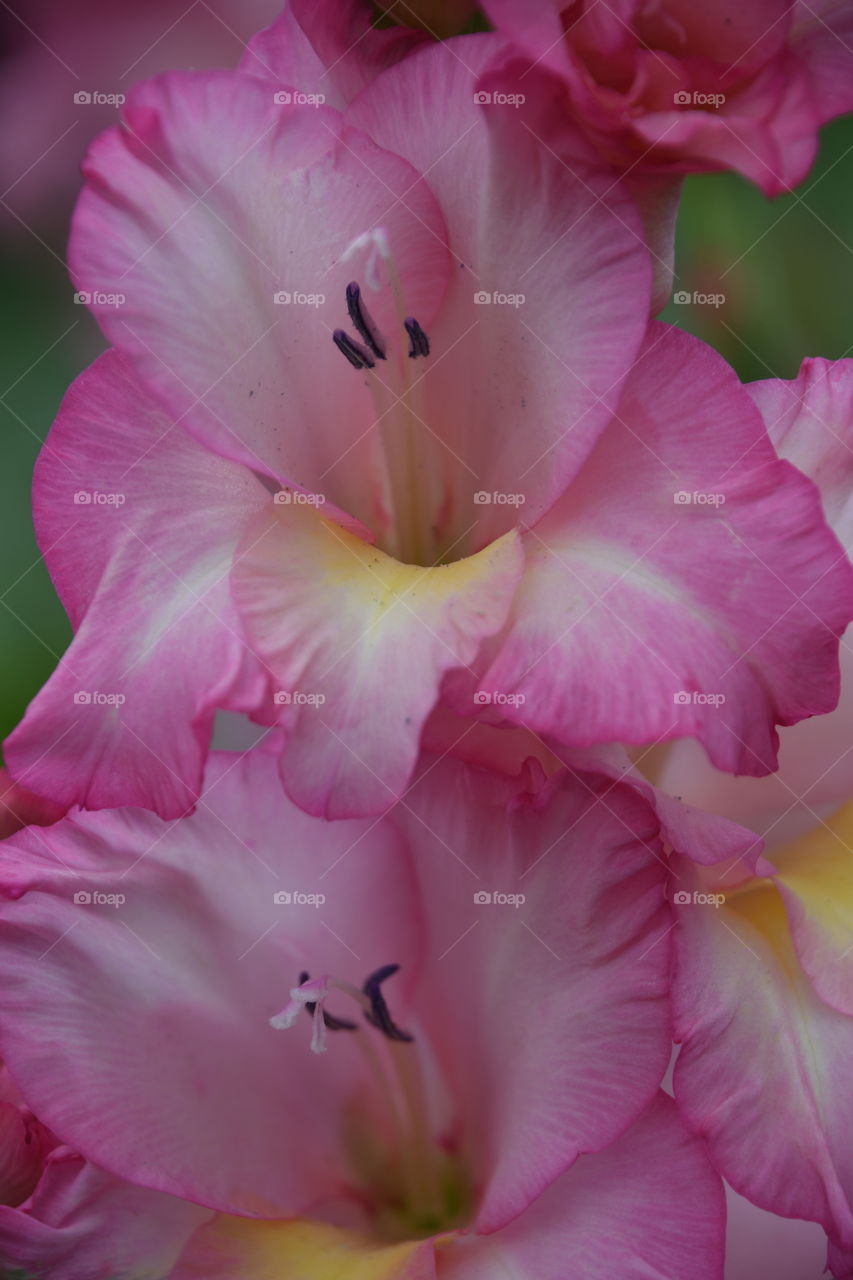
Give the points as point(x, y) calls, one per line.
point(415, 1197)
point(398, 400)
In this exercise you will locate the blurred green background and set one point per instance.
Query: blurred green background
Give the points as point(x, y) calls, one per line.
point(785, 268)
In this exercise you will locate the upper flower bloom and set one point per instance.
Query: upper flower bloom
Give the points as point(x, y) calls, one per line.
point(387, 427)
point(675, 86)
point(482, 977)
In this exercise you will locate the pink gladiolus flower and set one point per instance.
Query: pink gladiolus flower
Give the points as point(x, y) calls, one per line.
point(763, 988)
point(675, 86)
point(501, 507)
point(482, 977)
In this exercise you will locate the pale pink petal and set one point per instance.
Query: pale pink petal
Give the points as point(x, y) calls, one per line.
point(704, 836)
point(763, 1072)
point(814, 777)
point(550, 288)
point(357, 644)
point(527, 999)
point(126, 718)
point(815, 878)
point(212, 201)
point(327, 47)
point(686, 585)
point(650, 1207)
point(810, 421)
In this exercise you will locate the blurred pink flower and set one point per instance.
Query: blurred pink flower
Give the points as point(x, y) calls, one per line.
point(491, 1025)
point(673, 86)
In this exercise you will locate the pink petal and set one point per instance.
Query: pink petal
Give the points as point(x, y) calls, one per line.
point(522, 388)
point(329, 47)
point(126, 718)
point(528, 1000)
point(687, 583)
point(181, 218)
point(363, 641)
point(758, 1044)
point(810, 421)
point(815, 879)
point(648, 1208)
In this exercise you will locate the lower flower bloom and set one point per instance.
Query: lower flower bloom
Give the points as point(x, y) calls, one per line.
point(481, 975)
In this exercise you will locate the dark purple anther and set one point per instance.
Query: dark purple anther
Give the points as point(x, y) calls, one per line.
point(379, 1016)
point(358, 356)
point(418, 341)
point(363, 321)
